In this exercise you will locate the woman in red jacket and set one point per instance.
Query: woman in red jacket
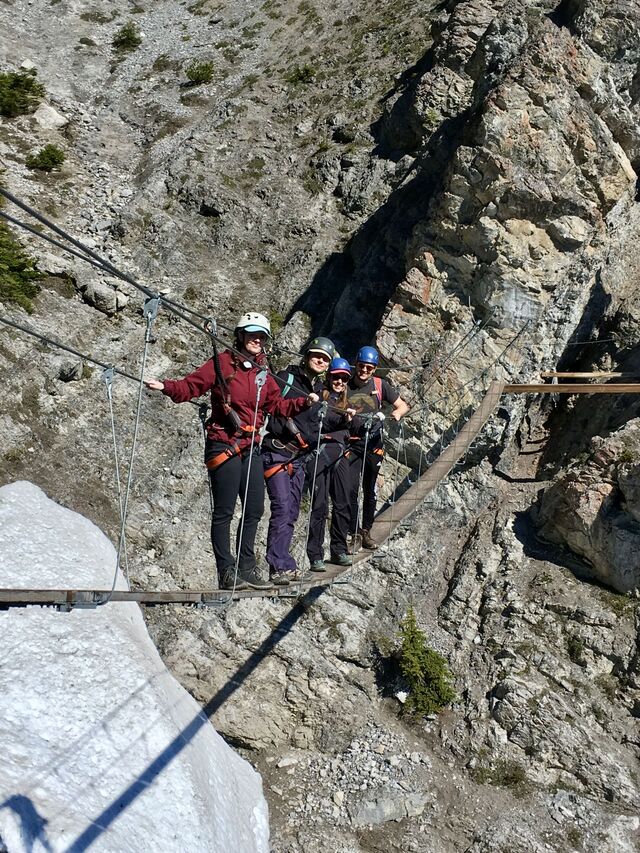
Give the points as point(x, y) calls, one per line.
point(242, 394)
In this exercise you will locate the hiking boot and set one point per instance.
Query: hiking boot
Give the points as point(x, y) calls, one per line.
point(229, 581)
point(318, 566)
point(367, 541)
point(252, 580)
point(354, 543)
point(282, 578)
point(342, 559)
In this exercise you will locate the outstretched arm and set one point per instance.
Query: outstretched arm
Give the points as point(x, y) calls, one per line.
point(400, 409)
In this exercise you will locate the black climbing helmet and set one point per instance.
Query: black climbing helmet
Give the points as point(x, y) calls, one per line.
point(323, 345)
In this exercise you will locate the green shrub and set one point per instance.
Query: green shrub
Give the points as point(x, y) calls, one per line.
point(304, 74)
point(17, 275)
point(128, 37)
point(199, 72)
point(425, 670)
point(20, 93)
point(48, 158)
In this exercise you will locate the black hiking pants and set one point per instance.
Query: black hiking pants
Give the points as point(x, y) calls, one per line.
point(326, 487)
point(345, 478)
point(367, 499)
point(228, 483)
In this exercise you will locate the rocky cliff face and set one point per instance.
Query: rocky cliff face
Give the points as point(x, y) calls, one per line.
point(459, 181)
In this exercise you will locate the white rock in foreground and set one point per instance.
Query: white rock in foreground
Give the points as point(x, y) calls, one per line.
point(99, 745)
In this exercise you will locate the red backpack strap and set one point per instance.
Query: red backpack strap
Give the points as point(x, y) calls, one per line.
point(378, 390)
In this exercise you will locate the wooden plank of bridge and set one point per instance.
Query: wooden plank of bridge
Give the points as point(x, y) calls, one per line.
point(552, 374)
point(593, 388)
point(89, 598)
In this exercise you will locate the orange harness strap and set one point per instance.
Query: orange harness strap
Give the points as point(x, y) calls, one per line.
point(275, 469)
point(221, 458)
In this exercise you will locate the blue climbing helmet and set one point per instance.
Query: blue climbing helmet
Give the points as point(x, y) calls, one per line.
point(368, 355)
point(340, 365)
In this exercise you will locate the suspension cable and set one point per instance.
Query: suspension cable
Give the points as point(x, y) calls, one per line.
point(107, 377)
point(54, 343)
point(150, 313)
point(322, 412)
point(54, 242)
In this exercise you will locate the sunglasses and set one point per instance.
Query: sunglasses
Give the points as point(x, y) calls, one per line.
point(367, 368)
point(319, 356)
point(342, 379)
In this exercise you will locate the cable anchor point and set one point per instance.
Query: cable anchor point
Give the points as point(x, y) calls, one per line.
point(108, 375)
point(150, 312)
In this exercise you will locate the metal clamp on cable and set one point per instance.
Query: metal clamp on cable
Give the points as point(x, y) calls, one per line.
point(150, 312)
point(108, 375)
point(211, 327)
point(261, 378)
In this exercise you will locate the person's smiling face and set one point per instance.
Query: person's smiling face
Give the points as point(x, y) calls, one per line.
point(364, 371)
point(338, 381)
point(317, 361)
point(253, 342)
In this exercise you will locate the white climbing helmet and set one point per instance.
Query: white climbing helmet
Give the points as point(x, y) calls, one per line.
point(253, 322)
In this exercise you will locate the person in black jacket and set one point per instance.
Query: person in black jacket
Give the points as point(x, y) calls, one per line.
point(327, 483)
point(286, 447)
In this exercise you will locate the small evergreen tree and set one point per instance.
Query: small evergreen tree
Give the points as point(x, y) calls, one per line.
point(20, 93)
point(199, 72)
point(425, 670)
point(48, 158)
point(127, 38)
point(304, 74)
point(17, 275)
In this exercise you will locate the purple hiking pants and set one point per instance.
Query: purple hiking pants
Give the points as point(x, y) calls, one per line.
point(285, 494)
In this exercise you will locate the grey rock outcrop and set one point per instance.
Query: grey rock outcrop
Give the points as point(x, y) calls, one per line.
point(594, 510)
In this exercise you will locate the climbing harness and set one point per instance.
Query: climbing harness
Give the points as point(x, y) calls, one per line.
point(220, 458)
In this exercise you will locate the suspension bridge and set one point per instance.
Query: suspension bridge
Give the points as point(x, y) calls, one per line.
point(399, 507)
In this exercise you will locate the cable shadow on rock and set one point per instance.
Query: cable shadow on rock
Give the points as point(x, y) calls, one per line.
point(103, 821)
